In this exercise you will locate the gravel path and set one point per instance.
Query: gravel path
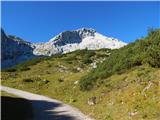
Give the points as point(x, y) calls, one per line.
point(45, 108)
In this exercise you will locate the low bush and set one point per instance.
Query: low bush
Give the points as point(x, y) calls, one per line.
point(87, 60)
point(24, 68)
point(143, 51)
point(27, 80)
point(10, 70)
point(36, 80)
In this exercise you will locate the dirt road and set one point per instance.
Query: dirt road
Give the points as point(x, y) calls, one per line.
point(45, 108)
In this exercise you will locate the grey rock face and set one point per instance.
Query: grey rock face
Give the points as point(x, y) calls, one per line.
point(14, 50)
point(70, 37)
point(66, 41)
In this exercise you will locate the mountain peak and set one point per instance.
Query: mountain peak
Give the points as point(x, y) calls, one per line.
point(82, 38)
point(91, 30)
point(74, 34)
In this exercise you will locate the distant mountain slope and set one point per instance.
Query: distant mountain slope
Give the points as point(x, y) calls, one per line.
point(69, 41)
point(16, 50)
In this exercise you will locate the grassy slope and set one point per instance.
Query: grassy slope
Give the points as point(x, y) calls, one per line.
point(7, 94)
point(125, 85)
point(145, 51)
point(118, 96)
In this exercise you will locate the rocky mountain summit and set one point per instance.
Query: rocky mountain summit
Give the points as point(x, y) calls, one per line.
point(16, 50)
point(69, 41)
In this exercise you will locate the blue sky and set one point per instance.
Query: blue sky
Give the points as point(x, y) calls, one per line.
point(40, 21)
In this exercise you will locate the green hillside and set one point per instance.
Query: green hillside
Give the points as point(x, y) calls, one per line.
point(145, 51)
point(126, 82)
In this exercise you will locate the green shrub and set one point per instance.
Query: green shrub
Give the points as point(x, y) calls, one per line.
point(36, 80)
point(142, 51)
point(10, 70)
point(27, 80)
point(86, 83)
point(153, 56)
point(87, 56)
point(87, 60)
point(24, 68)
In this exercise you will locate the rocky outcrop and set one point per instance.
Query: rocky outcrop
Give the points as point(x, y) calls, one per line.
point(91, 101)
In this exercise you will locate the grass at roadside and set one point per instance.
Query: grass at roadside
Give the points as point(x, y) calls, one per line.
point(7, 94)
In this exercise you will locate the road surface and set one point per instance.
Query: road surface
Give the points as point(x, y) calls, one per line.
point(45, 108)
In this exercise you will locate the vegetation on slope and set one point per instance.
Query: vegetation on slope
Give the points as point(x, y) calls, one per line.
point(42, 71)
point(143, 51)
point(127, 92)
point(83, 57)
point(131, 95)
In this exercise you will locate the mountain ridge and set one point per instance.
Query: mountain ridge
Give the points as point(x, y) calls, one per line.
point(67, 41)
